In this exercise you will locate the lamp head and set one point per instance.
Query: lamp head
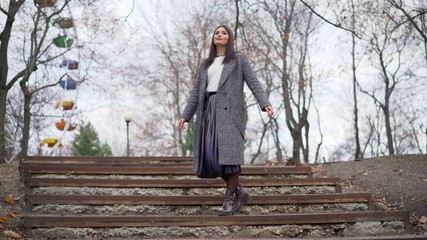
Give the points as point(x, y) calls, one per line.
point(128, 116)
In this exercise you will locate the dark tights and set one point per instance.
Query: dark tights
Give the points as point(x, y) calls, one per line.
point(232, 181)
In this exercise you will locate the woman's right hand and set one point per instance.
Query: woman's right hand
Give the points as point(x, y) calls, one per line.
point(181, 123)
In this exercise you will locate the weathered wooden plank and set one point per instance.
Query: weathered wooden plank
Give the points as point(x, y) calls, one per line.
point(109, 162)
point(173, 183)
point(197, 200)
point(94, 164)
point(102, 160)
point(33, 220)
point(155, 170)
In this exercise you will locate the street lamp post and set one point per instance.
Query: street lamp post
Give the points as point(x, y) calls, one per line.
point(128, 119)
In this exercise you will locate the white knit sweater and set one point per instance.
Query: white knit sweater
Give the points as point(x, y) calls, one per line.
point(214, 74)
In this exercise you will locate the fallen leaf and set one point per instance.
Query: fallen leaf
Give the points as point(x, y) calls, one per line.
point(9, 199)
point(12, 235)
point(3, 219)
point(11, 215)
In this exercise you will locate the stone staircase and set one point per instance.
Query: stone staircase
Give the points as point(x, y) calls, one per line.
point(159, 197)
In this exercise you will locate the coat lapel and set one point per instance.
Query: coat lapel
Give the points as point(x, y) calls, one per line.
point(227, 69)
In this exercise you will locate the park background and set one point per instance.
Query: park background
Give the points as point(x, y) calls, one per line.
point(347, 79)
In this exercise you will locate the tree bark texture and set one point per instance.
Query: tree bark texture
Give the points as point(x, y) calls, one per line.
point(14, 6)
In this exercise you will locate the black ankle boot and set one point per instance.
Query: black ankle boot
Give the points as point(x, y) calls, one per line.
point(241, 197)
point(227, 207)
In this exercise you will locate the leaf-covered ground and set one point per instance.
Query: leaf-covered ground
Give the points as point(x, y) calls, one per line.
point(395, 182)
point(11, 202)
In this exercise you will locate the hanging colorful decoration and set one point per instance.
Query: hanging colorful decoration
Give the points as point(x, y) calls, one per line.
point(45, 3)
point(63, 22)
point(70, 77)
point(68, 84)
point(71, 64)
point(50, 142)
point(60, 125)
point(63, 41)
point(66, 105)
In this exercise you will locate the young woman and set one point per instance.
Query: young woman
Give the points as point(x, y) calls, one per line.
point(218, 101)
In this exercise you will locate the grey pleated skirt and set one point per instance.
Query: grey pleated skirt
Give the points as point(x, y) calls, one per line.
point(209, 166)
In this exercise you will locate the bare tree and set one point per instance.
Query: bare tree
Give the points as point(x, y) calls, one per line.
point(172, 77)
point(358, 152)
point(290, 60)
point(388, 45)
point(415, 17)
point(270, 128)
point(6, 85)
point(38, 48)
point(407, 124)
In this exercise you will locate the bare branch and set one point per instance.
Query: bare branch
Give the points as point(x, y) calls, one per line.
point(410, 19)
point(16, 78)
point(3, 11)
point(371, 95)
point(131, 11)
point(326, 20)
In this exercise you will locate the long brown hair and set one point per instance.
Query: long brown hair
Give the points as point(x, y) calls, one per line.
point(230, 53)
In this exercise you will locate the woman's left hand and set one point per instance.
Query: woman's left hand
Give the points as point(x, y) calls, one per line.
point(269, 110)
point(181, 123)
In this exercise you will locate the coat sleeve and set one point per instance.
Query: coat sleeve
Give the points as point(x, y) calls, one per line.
point(253, 83)
point(193, 101)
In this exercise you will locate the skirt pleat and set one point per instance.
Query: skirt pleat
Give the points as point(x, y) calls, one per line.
point(208, 165)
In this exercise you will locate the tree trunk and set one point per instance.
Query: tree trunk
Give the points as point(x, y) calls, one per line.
point(306, 149)
point(388, 90)
point(388, 129)
point(279, 154)
point(14, 6)
point(286, 91)
point(358, 153)
point(27, 121)
point(3, 98)
point(297, 141)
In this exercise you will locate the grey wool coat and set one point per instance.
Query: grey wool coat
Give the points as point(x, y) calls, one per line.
point(230, 108)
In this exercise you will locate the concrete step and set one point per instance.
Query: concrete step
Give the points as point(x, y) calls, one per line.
point(193, 205)
point(35, 220)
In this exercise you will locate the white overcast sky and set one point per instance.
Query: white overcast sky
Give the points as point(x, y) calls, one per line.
point(333, 94)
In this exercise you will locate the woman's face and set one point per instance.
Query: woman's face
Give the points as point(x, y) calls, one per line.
point(221, 37)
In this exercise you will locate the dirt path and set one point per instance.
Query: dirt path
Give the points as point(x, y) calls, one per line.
point(395, 182)
point(11, 200)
